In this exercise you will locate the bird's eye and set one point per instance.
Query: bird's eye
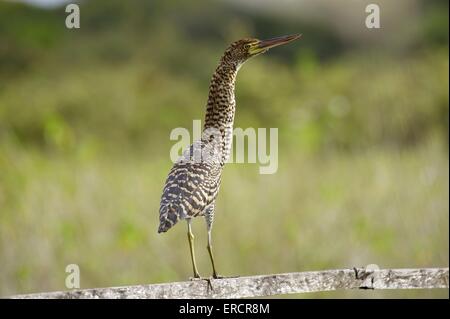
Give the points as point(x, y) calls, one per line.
point(247, 46)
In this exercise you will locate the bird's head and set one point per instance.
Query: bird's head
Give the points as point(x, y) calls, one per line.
point(241, 50)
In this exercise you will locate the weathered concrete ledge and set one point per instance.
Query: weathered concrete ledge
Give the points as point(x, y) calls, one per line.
point(269, 285)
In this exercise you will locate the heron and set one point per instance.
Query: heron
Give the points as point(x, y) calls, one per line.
point(193, 182)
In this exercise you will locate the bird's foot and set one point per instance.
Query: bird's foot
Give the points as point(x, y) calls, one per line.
point(210, 280)
point(196, 277)
point(207, 279)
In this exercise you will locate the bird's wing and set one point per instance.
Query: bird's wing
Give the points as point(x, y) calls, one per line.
point(192, 185)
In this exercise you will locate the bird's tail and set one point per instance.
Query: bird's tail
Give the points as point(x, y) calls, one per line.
point(169, 215)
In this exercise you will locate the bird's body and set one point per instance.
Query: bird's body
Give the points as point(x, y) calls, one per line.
point(191, 186)
point(194, 181)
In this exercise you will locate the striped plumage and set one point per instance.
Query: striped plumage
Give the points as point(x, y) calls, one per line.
point(194, 181)
point(191, 186)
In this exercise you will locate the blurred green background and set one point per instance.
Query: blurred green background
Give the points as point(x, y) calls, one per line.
point(85, 118)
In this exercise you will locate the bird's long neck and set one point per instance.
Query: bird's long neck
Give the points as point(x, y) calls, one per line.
point(221, 104)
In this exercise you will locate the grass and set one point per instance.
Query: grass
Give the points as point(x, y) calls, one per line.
point(101, 212)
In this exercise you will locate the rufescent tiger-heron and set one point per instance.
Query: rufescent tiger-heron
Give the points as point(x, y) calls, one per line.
point(194, 180)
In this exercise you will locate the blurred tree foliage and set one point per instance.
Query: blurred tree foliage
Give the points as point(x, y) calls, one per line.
point(136, 69)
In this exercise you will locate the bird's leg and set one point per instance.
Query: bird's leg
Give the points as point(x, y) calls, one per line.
point(191, 248)
point(194, 265)
point(211, 255)
point(209, 218)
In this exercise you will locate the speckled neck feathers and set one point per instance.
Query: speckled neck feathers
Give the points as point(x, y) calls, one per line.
point(221, 104)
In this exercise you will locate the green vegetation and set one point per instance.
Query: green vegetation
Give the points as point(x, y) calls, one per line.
point(85, 118)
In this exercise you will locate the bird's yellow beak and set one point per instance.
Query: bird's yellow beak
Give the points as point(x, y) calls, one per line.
point(264, 45)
